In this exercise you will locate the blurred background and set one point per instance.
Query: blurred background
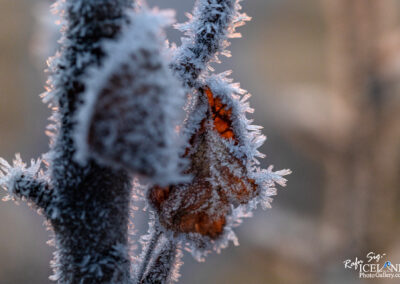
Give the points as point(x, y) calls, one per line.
point(325, 78)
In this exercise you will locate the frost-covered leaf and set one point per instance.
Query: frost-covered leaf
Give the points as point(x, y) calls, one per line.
point(223, 155)
point(133, 104)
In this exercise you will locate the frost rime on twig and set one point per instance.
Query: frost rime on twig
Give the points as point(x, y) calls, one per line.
point(28, 184)
point(165, 265)
point(149, 243)
point(207, 31)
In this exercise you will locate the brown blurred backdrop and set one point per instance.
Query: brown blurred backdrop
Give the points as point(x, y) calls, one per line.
point(325, 77)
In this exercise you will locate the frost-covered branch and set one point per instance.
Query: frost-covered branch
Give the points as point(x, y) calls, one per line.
point(207, 31)
point(149, 246)
point(27, 183)
point(165, 266)
point(90, 208)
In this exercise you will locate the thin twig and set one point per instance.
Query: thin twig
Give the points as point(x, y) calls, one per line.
point(165, 266)
point(149, 252)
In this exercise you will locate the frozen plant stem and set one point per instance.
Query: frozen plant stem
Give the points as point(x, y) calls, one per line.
point(164, 266)
point(89, 214)
point(86, 205)
point(212, 23)
point(149, 253)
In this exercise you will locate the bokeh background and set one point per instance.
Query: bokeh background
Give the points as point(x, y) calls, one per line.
point(324, 75)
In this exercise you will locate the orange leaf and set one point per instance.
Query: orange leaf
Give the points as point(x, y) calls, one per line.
point(219, 179)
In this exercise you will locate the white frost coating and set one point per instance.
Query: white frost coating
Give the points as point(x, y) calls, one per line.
point(27, 183)
point(16, 179)
point(207, 32)
point(148, 243)
point(248, 139)
point(17, 175)
point(135, 103)
point(165, 265)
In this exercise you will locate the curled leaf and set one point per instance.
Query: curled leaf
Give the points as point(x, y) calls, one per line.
point(222, 151)
point(133, 105)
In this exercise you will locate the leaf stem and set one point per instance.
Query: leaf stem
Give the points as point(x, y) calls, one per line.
point(149, 252)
